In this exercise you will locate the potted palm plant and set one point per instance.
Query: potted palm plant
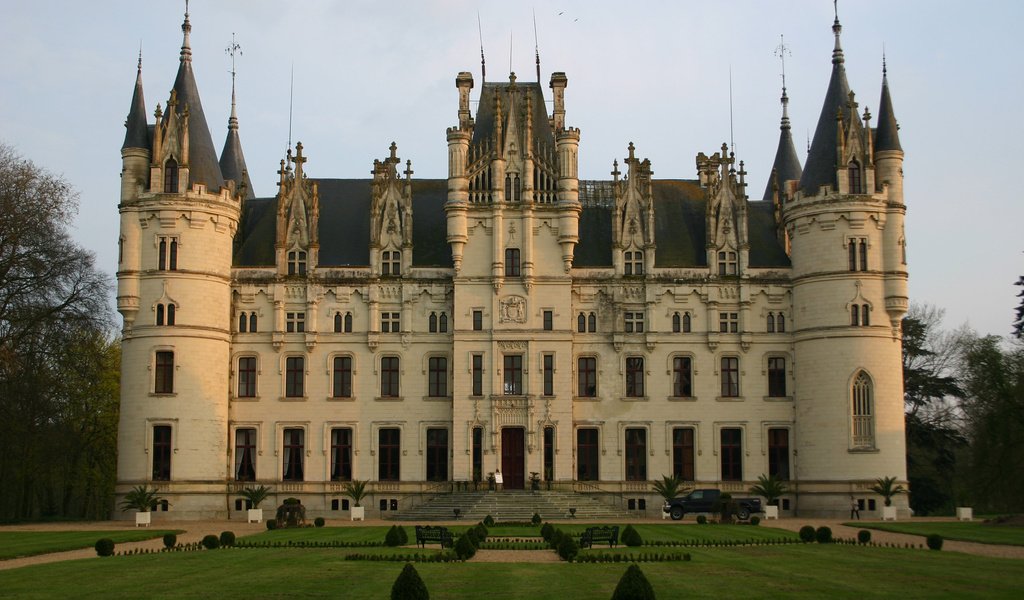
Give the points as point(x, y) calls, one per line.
point(141, 499)
point(668, 488)
point(772, 488)
point(253, 497)
point(886, 487)
point(356, 490)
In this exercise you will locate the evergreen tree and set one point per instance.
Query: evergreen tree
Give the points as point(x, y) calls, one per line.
point(633, 586)
point(409, 586)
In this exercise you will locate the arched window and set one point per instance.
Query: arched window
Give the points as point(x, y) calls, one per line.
point(442, 323)
point(677, 324)
point(686, 323)
point(853, 170)
point(592, 323)
point(243, 321)
point(348, 322)
point(780, 323)
point(581, 323)
point(159, 314)
point(864, 320)
point(432, 328)
point(170, 314)
point(863, 427)
point(252, 323)
point(171, 176)
point(771, 323)
point(855, 315)
point(337, 322)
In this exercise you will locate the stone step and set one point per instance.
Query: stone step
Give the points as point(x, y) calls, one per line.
point(510, 505)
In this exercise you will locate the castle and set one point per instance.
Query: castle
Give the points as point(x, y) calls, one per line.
point(422, 334)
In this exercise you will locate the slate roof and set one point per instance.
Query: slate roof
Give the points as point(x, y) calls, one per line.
point(232, 160)
point(202, 159)
point(820, 168)
point(787, 164)
point(887, 136)
point(137, 134)
point(484, 127)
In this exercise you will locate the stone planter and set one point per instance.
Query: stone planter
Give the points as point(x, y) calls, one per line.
point(358, 513)
point(254, 515)
point(964, 513)
point(771, 512)
point(143, 518)
point(888, 513)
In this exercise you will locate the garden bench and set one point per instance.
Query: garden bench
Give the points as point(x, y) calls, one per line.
point(600, 534)
point(433, 535)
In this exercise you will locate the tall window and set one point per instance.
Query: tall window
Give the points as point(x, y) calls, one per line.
point(586, 372)
point(549, 320)
point(167, 254)
point(856, 185)
point(863, 412)
point(348, 322)
point(730, 376)
point(294, 381)
point(243, 321)
point(437, 372)
point(171, 176)
point(478, 454)
point(478, 320)
point(161, 310)
point(341, 454)
point(391, 263)
point(389, 377)
point(294, 451)
point(591, 322)
point(163, 377)
point(682, 453)
point(728, 322)
point(780, 323)
point(859, 316)
point(634, 322)
point(686, 323)
point(863, 251)
point(511, 262)
point(581, 323)
point(636, 454)
point(442, 323)
point(633, 263)
point(245, 455)
point(159, 314)
point(770, 327)
point(161, 453)
point(549, 375)
point(587, 453)
point(432, 323)
point(342, 377)
point(549, 453)
point(338, 323)
point(252, 323)
point(677, 323)
point(295, 322)
point(389, 451)
point(776, 377)
point(296, 262)
point(247, 377)
point(852, 251)
point(390, 322)
point(727, 263)
point(864, 319)
point(778, 453)
point(682, 377)
point(513, 373)
point(732, 454)
point(634, 376)
point(858, 251)
point(478, 375)
point(437, 454)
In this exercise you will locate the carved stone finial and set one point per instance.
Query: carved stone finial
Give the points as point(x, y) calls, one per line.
point(394, 152)
point(408, 169)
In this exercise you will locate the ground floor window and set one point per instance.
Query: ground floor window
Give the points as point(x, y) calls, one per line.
point(245, 455)
point(161, 453)
point(586, 454)
point(682, 453)
point(389, 449)
point(732, 454)
point(437, 454)
point(341, 454)
point(294, 449)
point(636, 454)
point(778, 453)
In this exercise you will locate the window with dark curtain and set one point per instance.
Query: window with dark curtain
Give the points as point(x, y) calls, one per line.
point(161, 453)
point(587, 453)
point(245, 455)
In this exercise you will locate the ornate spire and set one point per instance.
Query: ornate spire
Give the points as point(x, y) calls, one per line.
point(232, 160)
point(137, 135)
point(837, 29)
point(186, 44)
point(887, 135)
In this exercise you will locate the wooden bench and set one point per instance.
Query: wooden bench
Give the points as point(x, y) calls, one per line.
point(600, 534)
point(433, 535)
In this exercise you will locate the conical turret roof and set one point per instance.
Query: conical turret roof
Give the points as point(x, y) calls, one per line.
point(887, 136)
point(820, 168)
point(787, 164)
point(232, 160)
point(202, 160)
point(137, 134)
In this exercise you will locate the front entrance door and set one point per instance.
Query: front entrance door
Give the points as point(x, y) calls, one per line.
point(512, 462)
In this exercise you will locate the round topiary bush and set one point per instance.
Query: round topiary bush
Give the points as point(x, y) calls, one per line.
point(823, 535)
point(211, 542)
point(535, 519)
point(227, 538)
point(170, 540)
point(568, 548)
point(934, 541)
point(319, 522)
point(755, 521)
point(807, 534)
point(271, 524)
point(393, 538)
point(409, 586)
point(702, 520)
point(464, 548)
point(633, 586)
point(105, 547)
point(864, 536)
point(630, 537)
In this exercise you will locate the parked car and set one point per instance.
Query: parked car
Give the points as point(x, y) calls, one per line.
point(706, 501)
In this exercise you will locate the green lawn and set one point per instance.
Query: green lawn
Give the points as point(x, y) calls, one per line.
point(28, 543)
point(800, 571)
point(967, 531)
point(325, 534)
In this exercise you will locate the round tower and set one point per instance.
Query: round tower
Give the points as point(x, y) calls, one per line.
point(849, 415)
point(177, 226)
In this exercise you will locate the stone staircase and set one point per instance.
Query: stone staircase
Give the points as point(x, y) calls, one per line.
point(511, 505)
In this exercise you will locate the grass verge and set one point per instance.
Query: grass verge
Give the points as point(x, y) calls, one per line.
point(15, 544)
point(964, 531)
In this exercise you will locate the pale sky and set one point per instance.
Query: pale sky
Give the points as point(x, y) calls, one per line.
point(654, 73)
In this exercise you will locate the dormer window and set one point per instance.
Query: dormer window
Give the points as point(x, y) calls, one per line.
point(633, 263)
point(727, 263)
point(854, 173)
point(296, 262)
point(391, 263)
point(171, 176)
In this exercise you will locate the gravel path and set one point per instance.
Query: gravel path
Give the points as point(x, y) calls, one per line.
point(195, 530)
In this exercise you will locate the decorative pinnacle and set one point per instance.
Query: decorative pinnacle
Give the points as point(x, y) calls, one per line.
point(781, 51)
point(186, 45)
point(837, 52)
point(234, 50)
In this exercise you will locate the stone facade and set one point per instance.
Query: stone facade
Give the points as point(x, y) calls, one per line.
point(422, 334)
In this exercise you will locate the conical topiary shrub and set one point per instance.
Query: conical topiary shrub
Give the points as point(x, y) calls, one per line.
point(631, 537)
point(409, 586)
point(464, 548)
point(633, 586)
point(403, 535)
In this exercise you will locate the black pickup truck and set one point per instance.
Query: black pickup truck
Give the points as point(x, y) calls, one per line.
point(706, 501)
